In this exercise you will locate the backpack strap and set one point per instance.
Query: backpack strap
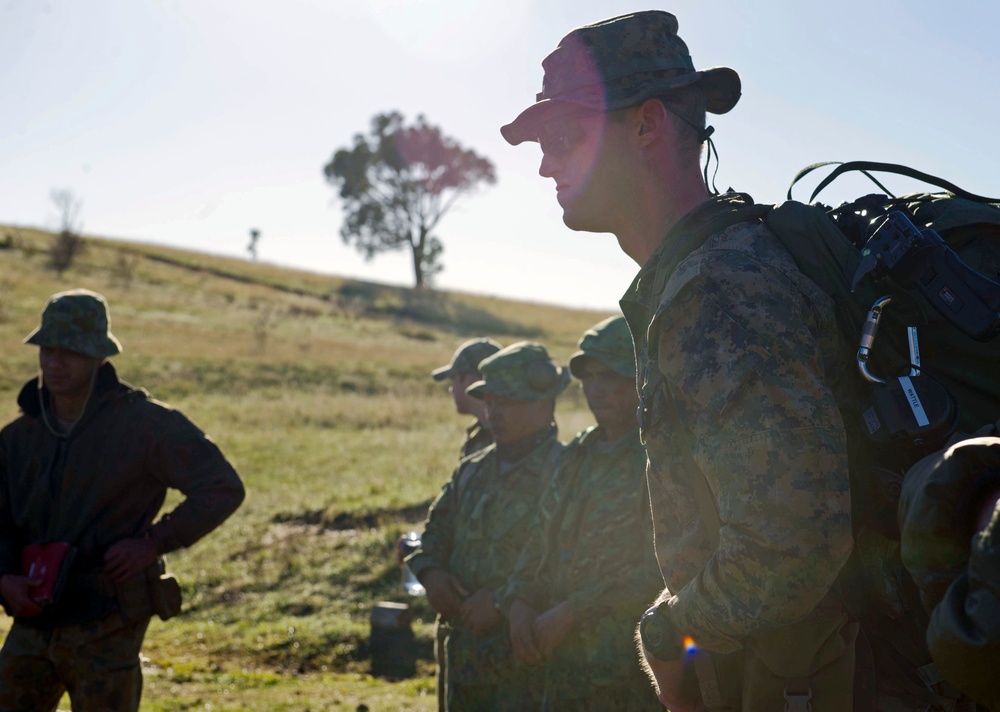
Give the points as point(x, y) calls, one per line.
point(866, 166)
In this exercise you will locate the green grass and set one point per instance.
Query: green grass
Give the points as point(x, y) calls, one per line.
point(318, 389)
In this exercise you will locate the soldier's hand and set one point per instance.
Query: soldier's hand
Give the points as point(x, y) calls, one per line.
point(478, 613)
point(128, 557)
point(16, 591)
point(445, 593)
point(676, 686)
point(552, 626)
point(522, 633)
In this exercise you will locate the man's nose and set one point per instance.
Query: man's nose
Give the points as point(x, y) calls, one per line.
point(547, 166)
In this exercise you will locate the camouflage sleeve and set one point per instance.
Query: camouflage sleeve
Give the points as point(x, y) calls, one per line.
point(528, 581)
point(184, 458)
point(739, 349)
point(437, 542)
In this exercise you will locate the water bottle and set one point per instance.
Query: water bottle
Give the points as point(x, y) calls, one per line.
point(406, 545)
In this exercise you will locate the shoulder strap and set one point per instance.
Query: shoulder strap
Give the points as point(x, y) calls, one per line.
point(865, 167)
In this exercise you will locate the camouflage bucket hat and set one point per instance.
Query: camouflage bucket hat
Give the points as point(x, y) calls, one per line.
point(522, 371)
point(466, 359)
point(78, 321)
point(617, 63)
point(609, 342)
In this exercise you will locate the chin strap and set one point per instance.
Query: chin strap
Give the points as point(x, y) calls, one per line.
point(704, 136)
point(711, 150)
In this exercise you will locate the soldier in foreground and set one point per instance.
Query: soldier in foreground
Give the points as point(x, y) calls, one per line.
point(573, 595)
point(83, 473)
point(748, 471)
point(479, 523)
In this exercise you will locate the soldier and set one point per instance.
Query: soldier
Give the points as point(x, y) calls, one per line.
point(573, 595)
point(83, 473)
point(748, 471)
point(479, 523)
point(463, 371)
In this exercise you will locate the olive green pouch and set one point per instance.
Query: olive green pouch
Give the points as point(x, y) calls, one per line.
point(152, 592)
point(165, 595)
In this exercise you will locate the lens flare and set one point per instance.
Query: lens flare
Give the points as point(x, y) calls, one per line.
point(690, 647)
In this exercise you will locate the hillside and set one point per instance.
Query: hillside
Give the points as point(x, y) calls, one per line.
point(318, 389)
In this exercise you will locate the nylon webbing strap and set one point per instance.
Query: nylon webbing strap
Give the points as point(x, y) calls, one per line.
point(865, 167)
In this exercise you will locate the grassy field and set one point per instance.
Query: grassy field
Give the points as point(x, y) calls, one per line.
point(318, 390)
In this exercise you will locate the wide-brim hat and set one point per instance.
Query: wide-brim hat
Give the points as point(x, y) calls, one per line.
point(617, 63)
point(466, 359)
point(522, 371)
point(609, 342)
point(76, 320)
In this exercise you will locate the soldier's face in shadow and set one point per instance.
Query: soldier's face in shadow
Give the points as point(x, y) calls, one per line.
point(66, 373)
point(464, 403)
point(513, 420)
point(611, 397)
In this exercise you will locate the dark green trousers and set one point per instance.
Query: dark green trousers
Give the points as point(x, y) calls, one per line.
point(97, 663)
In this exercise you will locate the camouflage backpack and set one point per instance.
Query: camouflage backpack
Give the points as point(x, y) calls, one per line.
point(922, 272)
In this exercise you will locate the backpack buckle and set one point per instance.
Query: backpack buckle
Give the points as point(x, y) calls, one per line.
point(798, 701)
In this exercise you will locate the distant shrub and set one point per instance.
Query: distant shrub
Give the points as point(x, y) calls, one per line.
point(9, 241)
point(124, 269)
point(63, 250)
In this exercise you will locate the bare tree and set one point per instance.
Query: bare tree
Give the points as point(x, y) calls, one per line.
point(68, 242)
point(252, 247)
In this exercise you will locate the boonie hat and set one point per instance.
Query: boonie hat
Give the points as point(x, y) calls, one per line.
point(522, 371)
point(609, 342)
point(616, 63)
point(78, 321)
point(466, 359)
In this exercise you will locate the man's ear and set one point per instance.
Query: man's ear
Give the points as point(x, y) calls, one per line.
point(651, 117)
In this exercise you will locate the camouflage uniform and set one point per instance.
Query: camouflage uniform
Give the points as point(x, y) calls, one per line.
point(596, 551)
point(99, 483)
point(733, 364)
point(475, 529)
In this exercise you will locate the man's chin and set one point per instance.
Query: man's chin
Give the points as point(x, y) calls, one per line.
point(579, 222)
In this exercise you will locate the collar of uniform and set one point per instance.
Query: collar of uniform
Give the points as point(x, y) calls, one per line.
point(687, 234)
point(508, 454)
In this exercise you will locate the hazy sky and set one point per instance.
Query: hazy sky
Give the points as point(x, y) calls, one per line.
point(190, 122)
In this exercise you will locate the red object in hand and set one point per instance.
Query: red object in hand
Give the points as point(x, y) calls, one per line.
point(45, 562)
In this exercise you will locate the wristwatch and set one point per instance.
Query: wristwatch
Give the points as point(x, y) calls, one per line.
point(658, 636)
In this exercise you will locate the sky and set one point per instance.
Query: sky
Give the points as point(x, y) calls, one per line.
point(191, 122)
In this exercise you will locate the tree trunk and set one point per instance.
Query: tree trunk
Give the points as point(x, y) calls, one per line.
point(418, 259)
